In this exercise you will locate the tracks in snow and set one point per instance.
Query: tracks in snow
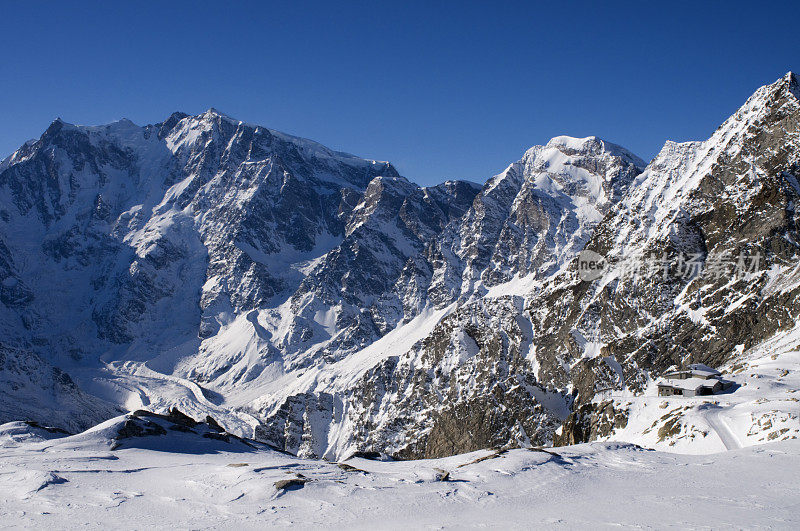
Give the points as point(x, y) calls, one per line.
point(723, 431)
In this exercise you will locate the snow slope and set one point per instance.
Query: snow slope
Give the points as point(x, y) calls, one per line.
point(79, 482)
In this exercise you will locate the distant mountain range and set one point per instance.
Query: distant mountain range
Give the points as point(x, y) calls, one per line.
point(323, 304)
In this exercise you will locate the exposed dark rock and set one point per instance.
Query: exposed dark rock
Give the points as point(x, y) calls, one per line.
point(589, 422)
point(48, 429)
point(134, 427)
point(349, 468)
point(441, 475)
point(291, 484)
point(213, 424)
point(226, 437)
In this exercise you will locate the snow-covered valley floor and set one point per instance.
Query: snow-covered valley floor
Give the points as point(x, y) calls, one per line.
point(182, 481)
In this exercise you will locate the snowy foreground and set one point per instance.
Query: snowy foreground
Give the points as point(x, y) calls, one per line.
point(144, 471)
point(180, 480)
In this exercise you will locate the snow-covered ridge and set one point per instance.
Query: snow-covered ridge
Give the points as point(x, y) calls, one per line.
point(727, 199)
point(191, 128)
point(532, 218)
point(678, 169)
point(147, 232)
point(593, 143)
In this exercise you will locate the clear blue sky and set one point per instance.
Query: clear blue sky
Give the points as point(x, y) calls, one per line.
point(441, 89)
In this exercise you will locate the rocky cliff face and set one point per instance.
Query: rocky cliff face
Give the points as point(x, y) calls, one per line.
point(702, 256)
point(471, 381)
point(533, 217)
point(328, 305)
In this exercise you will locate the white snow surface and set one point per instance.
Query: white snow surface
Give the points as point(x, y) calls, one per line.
point(163, 482)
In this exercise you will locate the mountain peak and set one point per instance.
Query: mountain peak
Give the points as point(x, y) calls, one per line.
point(595, 145)
point(216, 113)
point(571, 141)
point(766, 96)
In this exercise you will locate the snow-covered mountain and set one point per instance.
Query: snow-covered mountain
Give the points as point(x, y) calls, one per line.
point(728, 205)
point(323, 304)
point(131, 244)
